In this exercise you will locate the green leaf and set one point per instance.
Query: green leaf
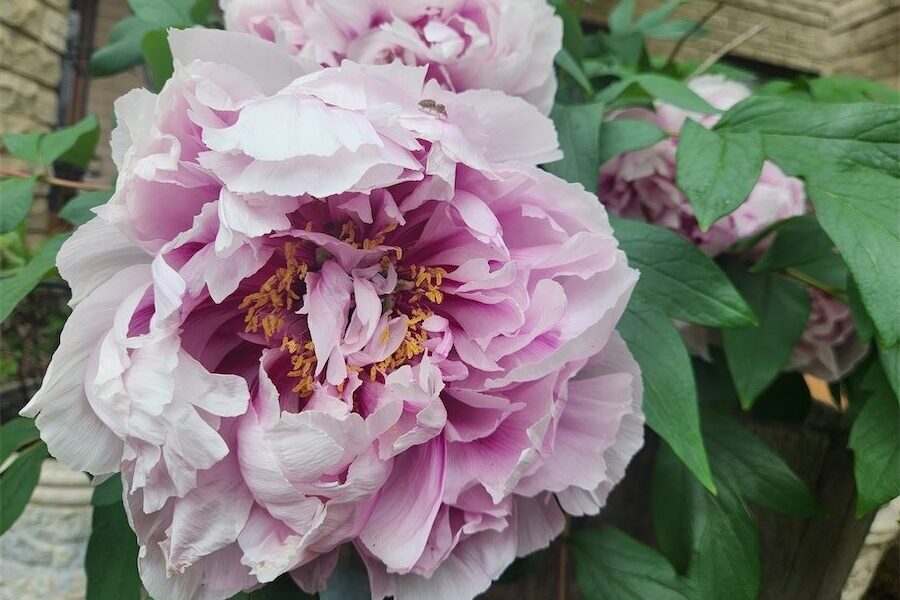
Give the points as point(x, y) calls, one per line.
point(714, 538)
point(654, 18)
point(579, 130)
point(798, 241)
point(619, 136)
point(807, 139)
point(679, 279)
point(77, 211)
point(753, 469)
point(862, 323)
point(663, 88)
point(675, 30)
point(573, 37)
point(858, 209)
point(612, 565)
point(844, 89)
point(565, 61)
point(890, 363)
point(158, 57)
point(108, 492)
point(757, 355)
point(875, 441)
point(200, 11)
point(670, 395)
point(162, 13)
point(17, 483)
point(716, 172)
point(74, 145)
point(621, 16)
point(14, 289)
point(112, 553)
point(124, 48)
point(24, 145)
point(347, 583)
point(16, 196)
point(16, 433)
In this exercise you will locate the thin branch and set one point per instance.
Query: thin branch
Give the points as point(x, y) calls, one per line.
point(66, 183)
point(697, 27)
point(730, 46)
point(563, 590)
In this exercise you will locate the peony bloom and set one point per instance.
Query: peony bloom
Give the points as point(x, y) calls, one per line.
point(505, 45)
point(641, 185)
point(340, 308)
point(829, 347)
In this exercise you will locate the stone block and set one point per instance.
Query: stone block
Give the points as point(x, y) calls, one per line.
point(29, 58)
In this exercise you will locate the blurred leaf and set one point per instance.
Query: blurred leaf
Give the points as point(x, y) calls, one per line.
point(753, 469)
point(619, 136)
point(16, 433)
point(77, 211)
point(17, 483)
point(75, 145)
point(716, 172)
point(124, 48)
point(670, 395)
point(798, 241)
point(621, 16)
point(199, 13)
point(757, 355)
point(573, 37)
point(675, 30)
point(679, 279)
point(862, 323)
point(163, 12)
point(347, 583)
point(525, 567)
point(112, 554)
point(890, 363)
point(610, 565)
point(579, 131)
point(875, 442)
point(567, 63)
point(24, 145)
point(14, 289)
point(663, 88)
point(843, 89)
point(108, 492)
point(16, 196)
point(158, 57)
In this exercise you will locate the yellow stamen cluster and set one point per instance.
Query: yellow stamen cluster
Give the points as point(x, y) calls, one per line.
point(266, 307)
point(303, 365)
point(413, 344)
point(349, 235)
point(427, 281)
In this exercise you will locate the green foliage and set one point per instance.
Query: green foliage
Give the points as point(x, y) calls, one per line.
point(716, 172)
point(151, 18)
point(73, 145)
point(757, 354)
point(679, 279)
point(112, 553)
point(797, 242)
point(670, 396)
point(282, 588)
point(578, 128)
point(610, 564)
point(108, 492)
point(15, 288)
point(17, 482)
point(78, 210)
point(15, 201)
point(15, 434)
point(624, 135)
point(875, 441)
point(157, 56)
point(660, 87)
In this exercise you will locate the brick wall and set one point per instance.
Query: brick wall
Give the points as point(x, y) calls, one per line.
point(32, 41)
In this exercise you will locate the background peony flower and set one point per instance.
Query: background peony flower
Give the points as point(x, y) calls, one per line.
point(829, 347)
point(340, 308)
point(641, 185)
point(505, 45)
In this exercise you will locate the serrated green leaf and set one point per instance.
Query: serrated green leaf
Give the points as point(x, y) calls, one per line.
point(14, 289)
point(112, 553)
point(78, 210)
point(756, 355)
point(858, 209)
point(875, 442)
point(16, 433)
point(619, 136)
point(16, 196)
point(17, 483)
point(716, 172)
point(158, 57)
point(24, 145)
point(610, 564)
point(679, 279)
point(578, 127)
point(670, 395)
point(753, 470)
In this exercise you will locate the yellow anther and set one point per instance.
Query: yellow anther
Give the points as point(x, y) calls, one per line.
point(274, 296)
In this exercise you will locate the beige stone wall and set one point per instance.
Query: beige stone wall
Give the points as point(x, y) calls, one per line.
point(853, 37)
point(32, 41)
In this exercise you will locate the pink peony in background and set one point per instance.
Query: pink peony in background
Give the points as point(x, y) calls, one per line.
point(340, 308)
point(641, 185)
point(505, 45)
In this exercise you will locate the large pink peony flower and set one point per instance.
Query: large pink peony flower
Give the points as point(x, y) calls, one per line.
point(505, 45)
point(340, 308)
point(641, 185)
